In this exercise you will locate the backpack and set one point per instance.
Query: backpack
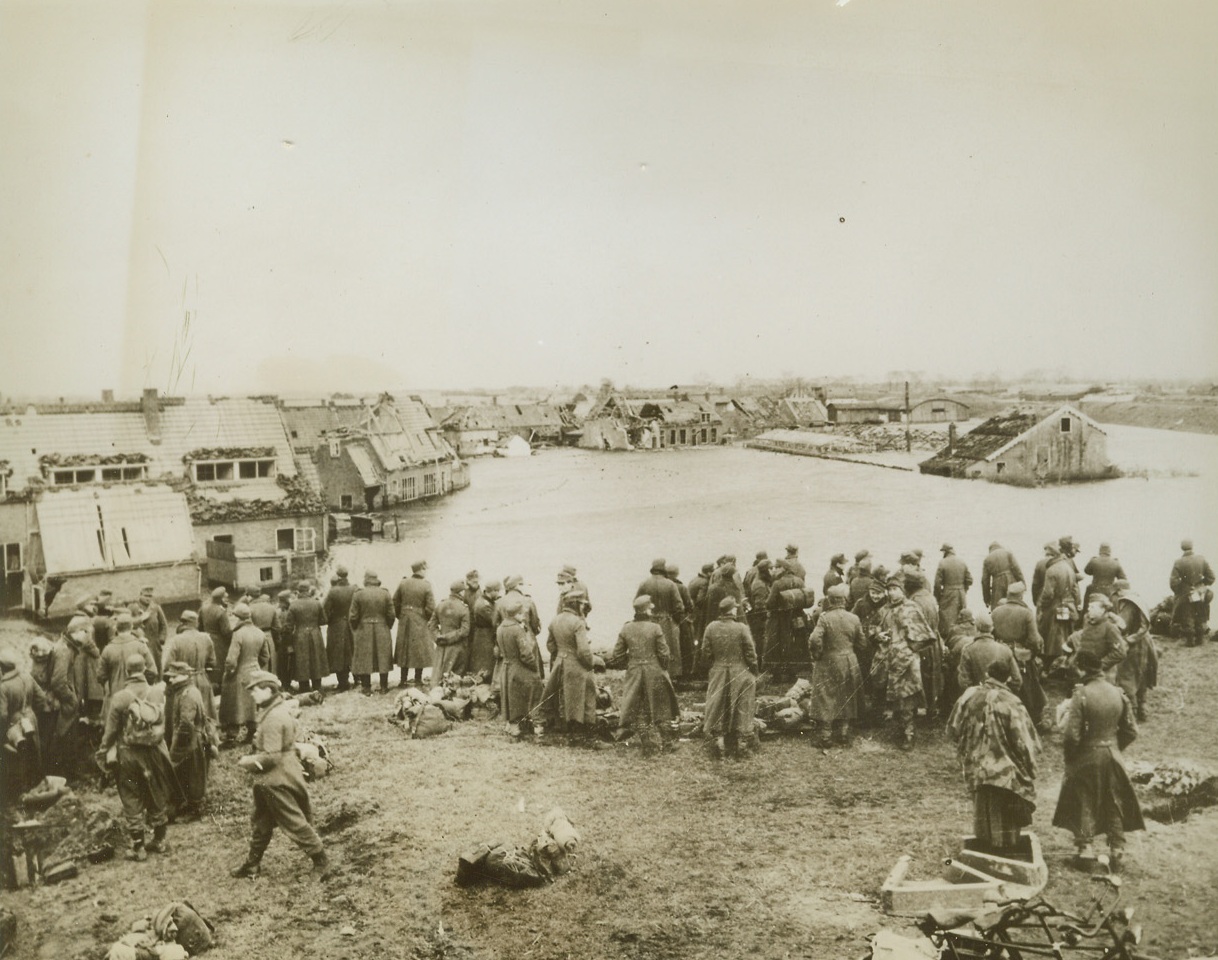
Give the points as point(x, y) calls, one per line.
point(145, 723)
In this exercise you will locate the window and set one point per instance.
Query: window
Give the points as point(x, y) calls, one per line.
point(682, 435)
point(285, 538)
point(344, 501)
point(223, 538)
point(714, 434)
point(306, 540)
point(410, 490)
point(1065, 424)
point(12, 558)
point(222, 471)
point(429, 483)
point(334, 449)
point(706, 418)
point(113, 474)
point(61, 478)
point(702, 435)
point(266, 574)
point(1000, 466)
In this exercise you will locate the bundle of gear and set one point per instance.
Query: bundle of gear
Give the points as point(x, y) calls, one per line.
point(175, 932)
point(550, 855)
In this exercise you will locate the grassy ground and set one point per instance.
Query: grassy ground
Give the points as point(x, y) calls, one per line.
point(777, 856)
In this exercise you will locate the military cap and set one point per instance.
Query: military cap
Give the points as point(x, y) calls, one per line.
point(241, 611)
point(135, 664)
point(643, 602)
point(262, 678)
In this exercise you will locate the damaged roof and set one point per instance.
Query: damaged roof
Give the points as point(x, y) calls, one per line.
point(992, 438)
point(90, 528)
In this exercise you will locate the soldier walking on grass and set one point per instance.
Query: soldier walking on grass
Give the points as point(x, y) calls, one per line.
point(281, 798)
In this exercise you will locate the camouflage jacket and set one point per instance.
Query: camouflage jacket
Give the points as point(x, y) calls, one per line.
point(996, 741)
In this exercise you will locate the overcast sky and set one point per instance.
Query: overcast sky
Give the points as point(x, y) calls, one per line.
point(459, 194)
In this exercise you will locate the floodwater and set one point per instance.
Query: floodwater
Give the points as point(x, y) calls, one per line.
point(610, 514)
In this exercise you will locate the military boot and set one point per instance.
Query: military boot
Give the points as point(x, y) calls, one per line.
point(158, 844)
point(137, 851)
point(321, 866)
point(250, 868)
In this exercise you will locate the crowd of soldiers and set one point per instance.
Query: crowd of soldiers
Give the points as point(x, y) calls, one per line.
point(881, 645)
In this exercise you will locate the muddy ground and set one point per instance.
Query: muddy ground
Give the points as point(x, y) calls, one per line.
point(778, 856)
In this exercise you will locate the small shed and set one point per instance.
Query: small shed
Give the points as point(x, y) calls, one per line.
point(1027, 448)
point(849, 410)
point(938, 410)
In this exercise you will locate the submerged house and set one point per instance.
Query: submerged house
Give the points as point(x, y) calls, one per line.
point(623, 423)
point(370, 455)
point(938, 410)
point(476, 430)
point(138, 471)
point(1027, 448)
point(848, 410)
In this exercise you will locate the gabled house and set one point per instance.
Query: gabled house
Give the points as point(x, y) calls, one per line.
point(477, 430)
point(1027, 448)
point(370, 455)
point(254, 519)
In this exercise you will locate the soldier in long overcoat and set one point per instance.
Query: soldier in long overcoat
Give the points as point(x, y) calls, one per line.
point(370, 617)
point(70, 657)
point(192, 646)
point(569, 700)
point(262, 616)
point(681, 658)
point(1015, 625)
point(998, 571)
point(520, 681)
point(215, 622)
point(648, 698)
point(190, 736)
point(285, 643)
point(731, 690)
point(482, 627)
point(669, 607)
point(304, 620)
point(450, 623)
point(1097, 795)
point(1138, 673)
point(952, 581)
point(248, 651)
point(1057, 606)
point(336, 608)
point(785, 624)
point(837, 679)
point(413, 605)
point(156, 624)
point(698, 588)
point(757, 593)
point(1100, 636)
point(529, 617)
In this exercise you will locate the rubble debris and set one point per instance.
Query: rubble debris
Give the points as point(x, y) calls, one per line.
point(1170, 790)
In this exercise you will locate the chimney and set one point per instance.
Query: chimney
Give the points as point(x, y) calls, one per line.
point(951, 438)
point(152, 414)
point(107, 396)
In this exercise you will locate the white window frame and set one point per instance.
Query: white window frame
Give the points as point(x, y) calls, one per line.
point(412, 489)
point(346, 501)
point(264, 467)
point(304, 540)
point(429, 484)
point(72, 476)
point(20, 557)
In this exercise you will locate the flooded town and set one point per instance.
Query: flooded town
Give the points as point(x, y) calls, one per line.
point(608, 480)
